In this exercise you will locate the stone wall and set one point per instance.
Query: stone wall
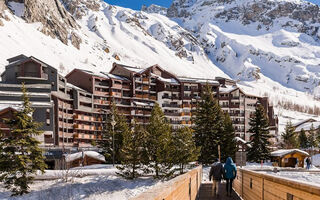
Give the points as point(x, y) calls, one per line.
point(251, 185)
point(183, 187)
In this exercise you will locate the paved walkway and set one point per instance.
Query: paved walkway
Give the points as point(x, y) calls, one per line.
point(206, 192)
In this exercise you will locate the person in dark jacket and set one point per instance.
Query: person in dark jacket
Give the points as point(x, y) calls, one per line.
point(230, 173)
point(216, 173)
point(308, 161)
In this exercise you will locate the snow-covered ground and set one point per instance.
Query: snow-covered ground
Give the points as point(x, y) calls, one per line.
point(96, 182)
point(310, 177)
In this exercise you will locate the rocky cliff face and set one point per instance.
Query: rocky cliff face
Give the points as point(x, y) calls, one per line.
point(3, 7)
point(78, 8)
point(55, 19)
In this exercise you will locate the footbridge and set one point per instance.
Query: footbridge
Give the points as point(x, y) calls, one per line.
point(248, 185)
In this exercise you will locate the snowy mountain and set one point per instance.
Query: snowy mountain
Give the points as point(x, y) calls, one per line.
point(246, 39)
point(105, 34)
point(270, 46)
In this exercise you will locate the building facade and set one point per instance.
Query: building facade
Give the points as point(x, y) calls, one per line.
point(73, 108)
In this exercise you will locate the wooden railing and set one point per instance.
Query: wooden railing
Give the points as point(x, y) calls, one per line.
point(252, 185)
point(183, 187)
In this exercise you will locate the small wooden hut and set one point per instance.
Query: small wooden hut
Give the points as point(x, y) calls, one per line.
point(84, 158)
point(289, 157)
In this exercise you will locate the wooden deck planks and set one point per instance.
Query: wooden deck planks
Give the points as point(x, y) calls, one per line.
point(206, 192)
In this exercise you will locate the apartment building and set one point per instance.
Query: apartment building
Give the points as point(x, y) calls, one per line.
point(241, 106)
point(73, 108)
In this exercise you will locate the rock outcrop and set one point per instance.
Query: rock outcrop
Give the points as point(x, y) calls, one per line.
point(56, 21)
point(78, 7)
point(3, 7)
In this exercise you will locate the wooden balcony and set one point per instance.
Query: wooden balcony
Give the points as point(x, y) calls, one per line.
point(186, 105)
point(100, 93)
point(116, 94)
point(84, 136)
point(145, 96)
point(126, 87)
point(102, 102)
point(145, 80)
point(85, 99)
point(145, 87)
point(117, 86)
point(65, 135)
point(153, 98)
point(139, 96)
point(172, 114)
point(48, 140)
point(185, 114)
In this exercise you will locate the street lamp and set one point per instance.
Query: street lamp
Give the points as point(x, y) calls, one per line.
point(113, 123)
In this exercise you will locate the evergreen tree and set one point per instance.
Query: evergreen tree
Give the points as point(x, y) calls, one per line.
point(228, 143)
point(312, 141)
point(121, 127)
point(259, 126)
point(160, 147)
point(318, 135)
point(303, 140)
point(209, 126)
point(133, 152)
point(289, 137)
point(20, 155)
point(185, 150)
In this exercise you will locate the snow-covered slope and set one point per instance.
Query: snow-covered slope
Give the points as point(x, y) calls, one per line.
point(277, 38)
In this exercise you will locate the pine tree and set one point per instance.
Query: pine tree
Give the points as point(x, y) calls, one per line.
point(303, 140)
point(133, 152)
point(209, 126)
point(312, 141)
point(259, 126)
point(185, 150)
point(289, 137)
point(228, 144)
point(160, 147)
point(121, 127)
point(318, 135)
point(20, 155)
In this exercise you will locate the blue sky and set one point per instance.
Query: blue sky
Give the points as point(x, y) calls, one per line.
point(136, 4)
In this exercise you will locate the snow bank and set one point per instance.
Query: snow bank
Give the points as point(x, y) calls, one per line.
point(103, 183)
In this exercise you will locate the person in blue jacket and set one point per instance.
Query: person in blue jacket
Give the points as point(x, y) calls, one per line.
point(230, 173)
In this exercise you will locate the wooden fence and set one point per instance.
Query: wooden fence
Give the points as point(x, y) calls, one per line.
point(183, 187)
point(251, 185)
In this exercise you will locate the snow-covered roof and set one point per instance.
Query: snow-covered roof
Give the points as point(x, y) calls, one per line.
point(113, 76)
point(140, 103)
point(91, 154)
point(307, 126)
point(73, 86)
point(303, 121)
point(18, 104)
point(134, 69)
point(228, 88)
point(104, 75)
point(34, 94)
point(283, 152)
point(5, 106)
point(198, 80)
point(238, 139)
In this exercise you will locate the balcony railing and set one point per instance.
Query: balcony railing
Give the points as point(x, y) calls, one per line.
point(171, 105)
point(172, 114)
